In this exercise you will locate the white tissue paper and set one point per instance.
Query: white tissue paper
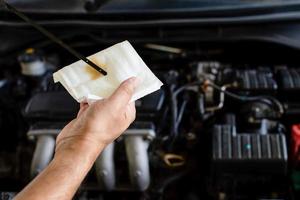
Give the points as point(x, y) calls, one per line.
point(120, 61)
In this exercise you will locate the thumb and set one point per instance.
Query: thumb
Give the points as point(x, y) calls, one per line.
point(123, 94)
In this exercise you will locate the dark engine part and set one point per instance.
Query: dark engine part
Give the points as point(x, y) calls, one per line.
point(248, 152)
point(289, 82)
point(148, 108)
point(51, 106)
point(248, 160)
point(256, 111)
point(278, 81)
point(289, 79)
point(259, 80)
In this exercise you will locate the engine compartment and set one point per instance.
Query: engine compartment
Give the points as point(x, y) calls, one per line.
point(224, 126)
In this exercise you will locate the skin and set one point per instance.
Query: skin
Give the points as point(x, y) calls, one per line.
point(80, 142)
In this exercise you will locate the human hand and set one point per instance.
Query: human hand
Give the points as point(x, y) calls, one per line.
point(101, 123)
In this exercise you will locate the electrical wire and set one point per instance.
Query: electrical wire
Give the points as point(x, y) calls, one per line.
point(177, 117)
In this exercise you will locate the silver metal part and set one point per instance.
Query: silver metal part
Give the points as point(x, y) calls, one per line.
point(221, 103)
point(105, 168)
point(38, 132)
point(136, 150)
point(209, 70)
point(137, 142)
point(44, 149)
point(149, 133)
point(43, 154)
point(164, 48)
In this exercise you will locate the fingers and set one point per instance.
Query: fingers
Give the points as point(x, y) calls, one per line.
point(121, 97)
point(83, 107)
point(131, 111)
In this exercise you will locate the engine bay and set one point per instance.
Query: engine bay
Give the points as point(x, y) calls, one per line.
point(225, 125)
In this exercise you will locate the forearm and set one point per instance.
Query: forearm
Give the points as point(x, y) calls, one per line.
point(62, 177)
point(80, 142)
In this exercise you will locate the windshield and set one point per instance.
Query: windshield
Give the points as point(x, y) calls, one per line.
point(79, 6)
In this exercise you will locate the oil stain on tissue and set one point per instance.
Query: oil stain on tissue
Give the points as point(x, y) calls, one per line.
point(94, 74)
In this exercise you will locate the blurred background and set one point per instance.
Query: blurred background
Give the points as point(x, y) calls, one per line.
point(225, 125)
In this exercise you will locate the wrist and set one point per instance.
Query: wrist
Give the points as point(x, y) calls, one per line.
point(78, 146)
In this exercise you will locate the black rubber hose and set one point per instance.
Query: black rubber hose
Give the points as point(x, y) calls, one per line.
point(173, 109)
point(160, 189)
point(266, 99)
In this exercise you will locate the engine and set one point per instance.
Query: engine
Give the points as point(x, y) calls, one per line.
point(218, 129)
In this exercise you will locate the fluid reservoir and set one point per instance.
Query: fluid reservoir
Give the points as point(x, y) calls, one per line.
point(32, 63)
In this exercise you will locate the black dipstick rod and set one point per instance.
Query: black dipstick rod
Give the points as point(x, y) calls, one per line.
point(53, 37)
